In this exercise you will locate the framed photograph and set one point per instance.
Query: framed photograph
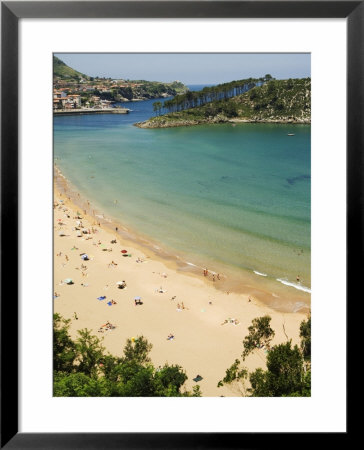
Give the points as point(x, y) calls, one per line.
point(182, 184)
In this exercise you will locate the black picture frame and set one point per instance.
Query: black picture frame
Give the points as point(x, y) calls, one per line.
point(11, 12)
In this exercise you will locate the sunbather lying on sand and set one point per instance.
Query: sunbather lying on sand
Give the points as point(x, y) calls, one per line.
point(161, 290)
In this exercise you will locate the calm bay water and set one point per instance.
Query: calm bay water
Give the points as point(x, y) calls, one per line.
point(221, 196)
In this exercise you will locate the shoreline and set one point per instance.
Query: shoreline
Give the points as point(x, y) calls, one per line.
point(150, 124)
point(202, 344)
point(90, 111)
point(278, 294)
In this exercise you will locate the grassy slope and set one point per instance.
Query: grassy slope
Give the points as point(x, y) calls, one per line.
point(60, 69)
point(276, 101)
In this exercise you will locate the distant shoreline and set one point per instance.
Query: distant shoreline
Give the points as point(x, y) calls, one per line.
point(91, 111)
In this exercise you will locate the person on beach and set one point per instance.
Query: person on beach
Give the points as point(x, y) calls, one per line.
point(213, 277)
point(218, 276)
point(75, 315)
point(298, 278)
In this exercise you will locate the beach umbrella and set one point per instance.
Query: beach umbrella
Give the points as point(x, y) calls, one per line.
point(120, 282)
point(137, 298)
point(124, 251)
point(61, 233)
point(68, 281)
point(84, 257)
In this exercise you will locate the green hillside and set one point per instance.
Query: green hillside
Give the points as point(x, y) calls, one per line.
point(64, 72)
point(278, 101)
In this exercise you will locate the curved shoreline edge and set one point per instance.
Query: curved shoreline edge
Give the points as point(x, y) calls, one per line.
point(263, 289)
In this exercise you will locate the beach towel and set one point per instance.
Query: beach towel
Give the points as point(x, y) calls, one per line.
point(109, 303)
point(198, 378)
point(102, 297)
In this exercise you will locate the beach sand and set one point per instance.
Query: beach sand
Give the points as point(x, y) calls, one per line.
point(202, 346)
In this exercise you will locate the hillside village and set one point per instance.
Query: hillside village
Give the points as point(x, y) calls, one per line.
point(73, 90)
point(87, 93)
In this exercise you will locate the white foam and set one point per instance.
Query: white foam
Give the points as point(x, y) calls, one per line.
point(259, 273)
point(191, 264)
point(295, 285)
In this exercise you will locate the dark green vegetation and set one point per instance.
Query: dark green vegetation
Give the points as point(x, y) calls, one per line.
point(62, 71)
point(277, 101)
point(194, 99)
point(82, 368)
point(288, 372)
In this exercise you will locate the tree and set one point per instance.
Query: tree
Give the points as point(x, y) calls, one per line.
point(305, 335)
point(284, 376)
point(137, 350)
point(260, 333)
point(236, 376)
point(170, 379)
point(80, 385)
point(82, 369)
point(157, 106)
point(272, 87)
point(89, 353)
point(64, 349)
point(287, 371)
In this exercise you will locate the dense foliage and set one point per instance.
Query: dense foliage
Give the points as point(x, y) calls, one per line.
point(194, 99)
point(82, 368)
point(264, 101)
point(288, 372)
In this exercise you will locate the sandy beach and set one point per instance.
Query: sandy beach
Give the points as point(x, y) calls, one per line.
point(172, 302)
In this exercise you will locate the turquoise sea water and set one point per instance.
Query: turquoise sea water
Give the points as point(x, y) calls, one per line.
point(218, 195)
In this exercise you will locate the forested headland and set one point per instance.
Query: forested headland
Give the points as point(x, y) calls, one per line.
point(251, 100)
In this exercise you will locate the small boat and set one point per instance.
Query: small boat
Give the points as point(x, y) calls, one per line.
point(290, 134)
